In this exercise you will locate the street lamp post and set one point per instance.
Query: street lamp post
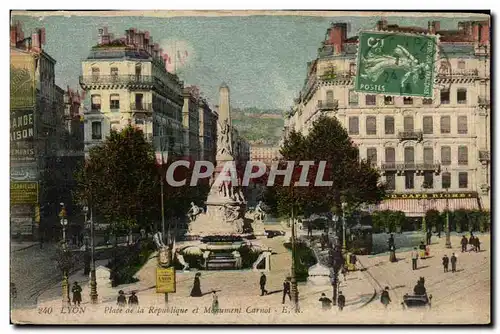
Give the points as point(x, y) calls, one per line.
point(65, 283)
point(93, 281)
point(344, 238)
point(448, 241)
point(294, 288)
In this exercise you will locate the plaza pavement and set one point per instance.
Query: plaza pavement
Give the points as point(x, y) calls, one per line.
point(462, 297)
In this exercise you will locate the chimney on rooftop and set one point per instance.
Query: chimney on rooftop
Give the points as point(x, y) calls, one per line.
point(338, 35)
point(433, 27)
point(382, 24)
point(35, 41)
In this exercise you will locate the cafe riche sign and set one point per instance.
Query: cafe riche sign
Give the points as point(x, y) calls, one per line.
point(442, 195)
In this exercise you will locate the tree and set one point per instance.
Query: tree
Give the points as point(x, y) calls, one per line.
point(119, 181)
point(355, 181)
point(433, 219)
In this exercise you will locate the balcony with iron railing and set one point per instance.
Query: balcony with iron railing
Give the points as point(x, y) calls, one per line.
point(336, 75)
point(100, 80)
point(327, 105)
point(410, 135)
point(141, 107)
point(458, 73)
point(392, 166)
point(484, 156)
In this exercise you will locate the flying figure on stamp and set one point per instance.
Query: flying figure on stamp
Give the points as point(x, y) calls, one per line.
point(375, 65)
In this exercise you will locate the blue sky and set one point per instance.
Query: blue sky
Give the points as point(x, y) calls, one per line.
point(262, 58)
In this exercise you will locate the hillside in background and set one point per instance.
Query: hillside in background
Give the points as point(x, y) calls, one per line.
point(256, 124)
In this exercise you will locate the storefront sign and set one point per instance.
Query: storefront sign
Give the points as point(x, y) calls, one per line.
point(165, 280)
point(22, 125)
point(22, 151)
point(433, 195)
point(21, 225)
point(23, 193)
point(23, 173)
point(22, 81)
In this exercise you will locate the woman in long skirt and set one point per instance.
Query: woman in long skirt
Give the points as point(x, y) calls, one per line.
point(196, 291)
point(215, 303)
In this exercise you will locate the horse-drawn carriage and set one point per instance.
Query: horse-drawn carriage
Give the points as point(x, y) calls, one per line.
point(412, 301)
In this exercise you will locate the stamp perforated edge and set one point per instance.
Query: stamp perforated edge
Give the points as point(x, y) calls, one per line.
point(386, 32)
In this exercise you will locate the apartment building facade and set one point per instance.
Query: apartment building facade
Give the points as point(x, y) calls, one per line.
point(433, 153)
point(128, 83)
point(36, 129)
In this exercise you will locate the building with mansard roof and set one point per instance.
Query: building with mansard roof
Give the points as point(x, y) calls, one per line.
point(432, 153)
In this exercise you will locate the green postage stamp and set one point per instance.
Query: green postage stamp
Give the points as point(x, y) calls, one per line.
point(393, 63)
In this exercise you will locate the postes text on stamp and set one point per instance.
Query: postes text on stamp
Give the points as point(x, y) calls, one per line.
point(393, 63)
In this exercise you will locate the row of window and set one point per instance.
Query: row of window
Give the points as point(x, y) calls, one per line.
point(463, 180)
point(371, 100)
point(409, 155)
point(408, 125)
point(114, 70)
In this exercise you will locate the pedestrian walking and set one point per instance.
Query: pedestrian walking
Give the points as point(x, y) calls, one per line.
point(446, 260)
point(453, 261)
point(385, 299)
point(477, 244)
point(472, 242)
point(323, 241)
point(121, 301)
point(215, 302)
point(262, 282)
point(286, 290)
point(414, 258)
point(463, 242)
point(429, 237)
point(196, 290)
point(326, 303)
point(133, 300)
point(77, 294)
point(309, 230)
point(341, 301)
point(86, 262)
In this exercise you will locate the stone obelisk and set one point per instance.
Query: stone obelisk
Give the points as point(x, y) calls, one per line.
point(225, 202)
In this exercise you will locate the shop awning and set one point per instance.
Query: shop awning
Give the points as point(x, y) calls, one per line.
point(417, 208)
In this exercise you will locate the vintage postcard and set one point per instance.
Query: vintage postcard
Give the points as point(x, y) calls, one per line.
point(250, 167)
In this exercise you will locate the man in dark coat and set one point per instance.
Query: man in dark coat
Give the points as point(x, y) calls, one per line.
point(323, 240)
point(77, 294)
point(429, 237)
point(121, 301)
point(326, 303)
point(309, 229)
point(86, 262)
point(196, 290)
point(453, 261)
point(262, 282)
point(384, 297)
point(478, 245)
point(286, 290)
point(133, 300)
point(463, 242)
point(472, 241)
point(341, 301)
point(446, 260)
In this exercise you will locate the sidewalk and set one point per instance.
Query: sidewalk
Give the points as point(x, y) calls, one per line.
point(238, 287)
point(16, 246)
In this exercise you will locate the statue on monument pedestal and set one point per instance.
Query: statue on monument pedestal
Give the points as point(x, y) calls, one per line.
point(224, 144)
point(193, 212)
point(259, 212)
